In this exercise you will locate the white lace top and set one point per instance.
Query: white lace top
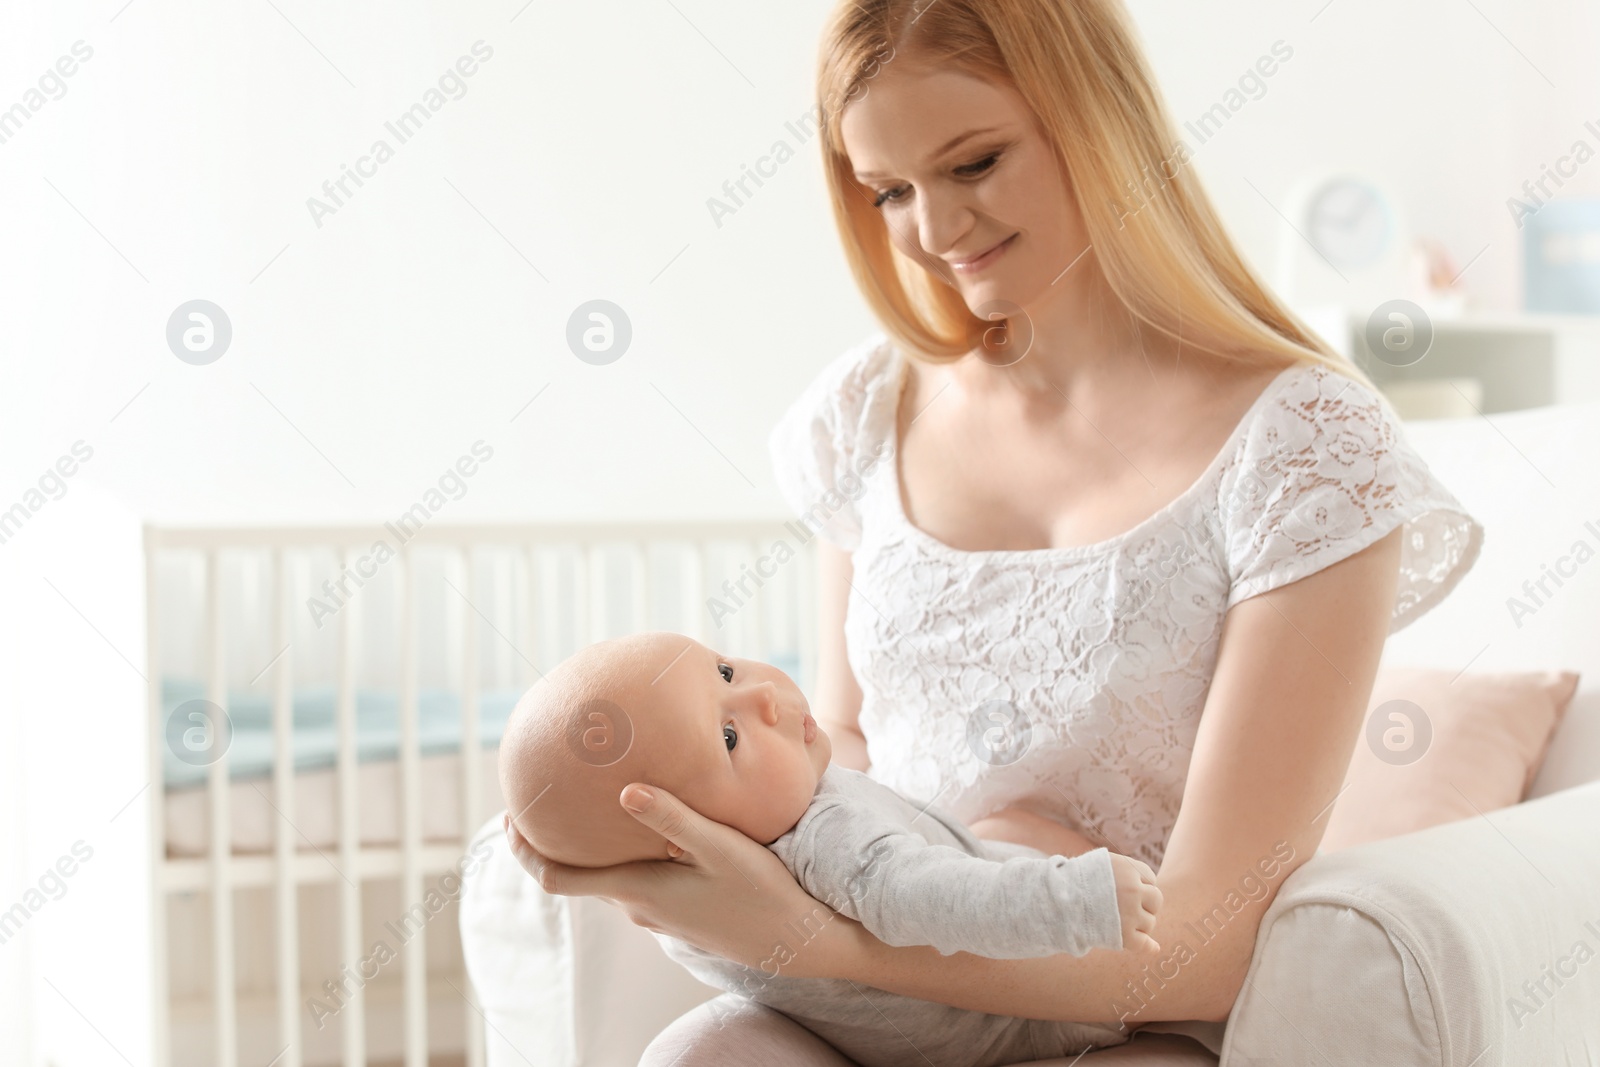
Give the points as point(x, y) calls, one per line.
point(1072, 679)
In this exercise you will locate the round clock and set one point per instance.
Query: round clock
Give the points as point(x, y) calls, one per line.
point(1349, 221)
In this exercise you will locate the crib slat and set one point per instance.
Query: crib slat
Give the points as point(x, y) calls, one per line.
point(640, 584)
point(416, 956)
point(532, 604)
point(353, 1016)
point(284, 843)
point(583, 626)
point(694, 591)
point(755, 606)
point(471, 763)
point(223, 990)
point(805, 610)
point(160, 1010)
point(599, 593)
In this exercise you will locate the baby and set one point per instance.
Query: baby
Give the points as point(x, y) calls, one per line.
point(733, 739)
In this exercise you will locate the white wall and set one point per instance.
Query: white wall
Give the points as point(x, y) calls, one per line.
point(405, 328)
point(372, 351)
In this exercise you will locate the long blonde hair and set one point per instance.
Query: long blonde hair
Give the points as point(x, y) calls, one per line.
point(1077, 64)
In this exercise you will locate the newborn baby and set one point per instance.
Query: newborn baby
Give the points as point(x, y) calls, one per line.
point(733, 739)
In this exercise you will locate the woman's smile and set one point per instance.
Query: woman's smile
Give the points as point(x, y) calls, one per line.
point(973, 266)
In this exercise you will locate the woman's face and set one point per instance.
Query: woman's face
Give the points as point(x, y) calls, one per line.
point(959, 167)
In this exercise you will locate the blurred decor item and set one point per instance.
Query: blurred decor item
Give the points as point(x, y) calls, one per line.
point(1561, 250)
point(1345, 240)
point(1433, 279)
point(1437, 398)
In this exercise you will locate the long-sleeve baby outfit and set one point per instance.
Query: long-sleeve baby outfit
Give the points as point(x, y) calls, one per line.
point(914, 875)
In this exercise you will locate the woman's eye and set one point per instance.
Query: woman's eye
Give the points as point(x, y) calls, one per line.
point(730, 736)
point(980, 166)
point(970, 170)
point(726, 670)
point(887, 194)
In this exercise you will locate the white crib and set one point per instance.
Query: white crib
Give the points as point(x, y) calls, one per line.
point(292, 867)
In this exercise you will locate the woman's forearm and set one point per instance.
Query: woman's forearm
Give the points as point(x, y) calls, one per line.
point(849, 746)
point(1205, 949)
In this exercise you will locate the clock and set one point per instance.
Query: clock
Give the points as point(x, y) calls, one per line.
point(1344, 242)
point(1350, 222)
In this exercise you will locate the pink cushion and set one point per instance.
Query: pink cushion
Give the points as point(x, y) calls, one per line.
point(1433, 751)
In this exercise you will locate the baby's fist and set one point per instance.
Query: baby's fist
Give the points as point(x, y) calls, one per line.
point(1138, 901)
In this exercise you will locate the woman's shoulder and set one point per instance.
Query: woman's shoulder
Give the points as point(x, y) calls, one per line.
point(835, 431)
point(841, 394)
point(1323, 469)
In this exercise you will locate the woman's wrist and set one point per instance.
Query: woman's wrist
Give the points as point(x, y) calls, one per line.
point(839, 947)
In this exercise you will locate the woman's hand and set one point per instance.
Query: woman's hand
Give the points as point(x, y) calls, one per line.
point(1025, 828)
point(721, 891)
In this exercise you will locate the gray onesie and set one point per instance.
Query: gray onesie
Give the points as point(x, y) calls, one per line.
point(915, 875)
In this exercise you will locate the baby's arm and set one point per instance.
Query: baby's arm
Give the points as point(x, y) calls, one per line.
point(909, 892)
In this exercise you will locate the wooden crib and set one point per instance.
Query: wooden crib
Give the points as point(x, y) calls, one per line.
point(315, 706)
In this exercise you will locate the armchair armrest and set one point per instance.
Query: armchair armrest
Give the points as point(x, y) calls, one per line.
point(1475, 942)
point(562, 981)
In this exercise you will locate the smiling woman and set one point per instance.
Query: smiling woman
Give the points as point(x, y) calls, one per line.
point(1161, 541)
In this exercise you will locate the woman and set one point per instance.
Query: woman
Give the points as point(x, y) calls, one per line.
point(1117, 570)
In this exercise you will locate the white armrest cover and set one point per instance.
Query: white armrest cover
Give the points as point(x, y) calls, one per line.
point(1430, 948)
point(562, 981)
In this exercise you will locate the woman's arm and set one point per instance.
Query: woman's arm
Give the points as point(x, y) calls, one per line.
point(838, 694)
point(1294, 674)
point(1022, 827)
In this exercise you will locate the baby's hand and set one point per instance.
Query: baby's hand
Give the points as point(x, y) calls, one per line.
point(1138, 901)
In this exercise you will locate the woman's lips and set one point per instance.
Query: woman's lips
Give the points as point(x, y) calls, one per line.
point(973, 266)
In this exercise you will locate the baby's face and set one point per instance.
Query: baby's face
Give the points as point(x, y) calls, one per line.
point(732, 738)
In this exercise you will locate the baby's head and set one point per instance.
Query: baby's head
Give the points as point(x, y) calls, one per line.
point(727, 736)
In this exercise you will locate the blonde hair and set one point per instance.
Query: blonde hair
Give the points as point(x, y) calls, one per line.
point(1077, 64)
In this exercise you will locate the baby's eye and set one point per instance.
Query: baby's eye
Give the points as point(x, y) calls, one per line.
point(731, 736)
point(726, 670)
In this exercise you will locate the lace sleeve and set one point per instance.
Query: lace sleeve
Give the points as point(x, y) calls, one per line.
point(1322, 473)
point(819, 447)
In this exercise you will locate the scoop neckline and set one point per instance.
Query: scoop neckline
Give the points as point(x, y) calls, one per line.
point(1063, 551)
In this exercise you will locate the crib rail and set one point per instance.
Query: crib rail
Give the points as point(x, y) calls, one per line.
point(594, 614)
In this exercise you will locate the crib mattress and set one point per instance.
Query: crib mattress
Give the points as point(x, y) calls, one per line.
point(250, 747)
point(255, 822)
